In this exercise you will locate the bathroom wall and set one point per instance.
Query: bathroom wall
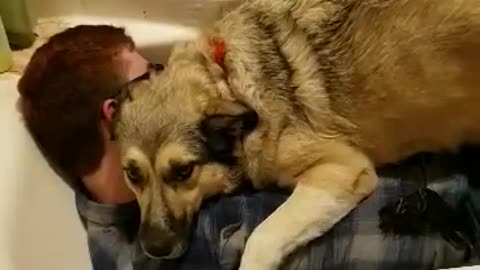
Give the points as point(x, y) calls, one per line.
point(184, 12)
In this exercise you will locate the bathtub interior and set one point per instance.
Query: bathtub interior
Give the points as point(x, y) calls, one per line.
point(39, 228)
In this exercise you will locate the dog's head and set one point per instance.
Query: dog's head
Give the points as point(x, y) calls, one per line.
point(180, 144)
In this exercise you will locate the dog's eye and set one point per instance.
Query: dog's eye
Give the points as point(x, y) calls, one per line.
point(133, 174)
point(182, 172)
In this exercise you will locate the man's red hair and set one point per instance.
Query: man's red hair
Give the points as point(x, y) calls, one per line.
point(62, 91)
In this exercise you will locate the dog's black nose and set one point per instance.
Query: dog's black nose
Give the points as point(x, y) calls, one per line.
point(160, 243)
point(159, 249)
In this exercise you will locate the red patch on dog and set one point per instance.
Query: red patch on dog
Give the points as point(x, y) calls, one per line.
point(218, 51)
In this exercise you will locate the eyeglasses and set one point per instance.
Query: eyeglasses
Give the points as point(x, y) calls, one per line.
point(156, 67)
point(122, 93)
point(151, 67)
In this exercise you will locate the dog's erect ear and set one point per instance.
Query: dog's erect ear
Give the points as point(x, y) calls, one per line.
point(225, 124)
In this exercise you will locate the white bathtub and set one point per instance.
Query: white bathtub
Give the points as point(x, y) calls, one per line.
point(39, 227)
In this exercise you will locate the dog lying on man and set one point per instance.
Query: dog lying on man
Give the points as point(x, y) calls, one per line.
point(310, 95)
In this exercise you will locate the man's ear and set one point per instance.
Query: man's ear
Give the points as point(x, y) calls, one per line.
point(223, 127)
point(109, 108)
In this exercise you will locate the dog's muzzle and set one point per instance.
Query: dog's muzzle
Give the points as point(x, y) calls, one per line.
point(159, 244)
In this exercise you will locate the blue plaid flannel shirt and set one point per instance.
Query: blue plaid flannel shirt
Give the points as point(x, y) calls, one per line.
point(356, 242)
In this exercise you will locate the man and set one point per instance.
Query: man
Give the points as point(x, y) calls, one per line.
point(67, 100)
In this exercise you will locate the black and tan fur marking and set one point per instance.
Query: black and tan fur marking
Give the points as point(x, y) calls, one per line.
point(312, 95)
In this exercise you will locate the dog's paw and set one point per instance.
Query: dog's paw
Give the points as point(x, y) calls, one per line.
point(255, 262)
point(260, 254)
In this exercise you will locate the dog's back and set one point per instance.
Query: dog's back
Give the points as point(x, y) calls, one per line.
point(397, 76)
point(415, 81)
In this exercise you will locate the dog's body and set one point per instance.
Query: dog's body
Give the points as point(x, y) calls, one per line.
point(337, 87)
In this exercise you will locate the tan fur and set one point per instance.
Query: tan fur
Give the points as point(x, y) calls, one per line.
point(339, 87)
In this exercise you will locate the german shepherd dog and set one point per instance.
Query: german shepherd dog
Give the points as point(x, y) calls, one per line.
point(310, 95)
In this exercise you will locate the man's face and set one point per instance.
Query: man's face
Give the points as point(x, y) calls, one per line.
point(110, 187)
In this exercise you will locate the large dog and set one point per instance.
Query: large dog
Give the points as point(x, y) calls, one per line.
point(310, 95)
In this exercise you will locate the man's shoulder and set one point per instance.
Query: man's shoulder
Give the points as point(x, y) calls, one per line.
point(106, 214)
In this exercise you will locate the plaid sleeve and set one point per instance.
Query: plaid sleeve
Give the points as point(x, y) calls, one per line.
point(354, 243)
point(223, 227)
point(111, 232)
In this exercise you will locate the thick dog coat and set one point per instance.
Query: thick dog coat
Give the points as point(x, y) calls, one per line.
point(309, 95)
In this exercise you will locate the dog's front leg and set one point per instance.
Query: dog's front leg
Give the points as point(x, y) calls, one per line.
point(324, 194)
